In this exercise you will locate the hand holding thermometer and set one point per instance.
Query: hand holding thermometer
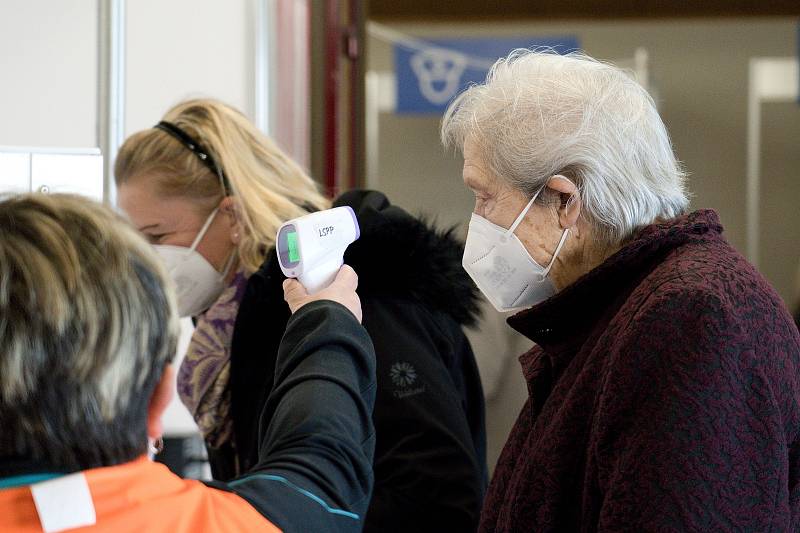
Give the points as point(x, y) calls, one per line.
point(311, 248)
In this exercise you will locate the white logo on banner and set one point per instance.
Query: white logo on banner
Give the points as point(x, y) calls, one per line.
point(439, 73)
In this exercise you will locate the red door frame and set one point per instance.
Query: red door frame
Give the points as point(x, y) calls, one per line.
point(343, 43)
point(331, 77)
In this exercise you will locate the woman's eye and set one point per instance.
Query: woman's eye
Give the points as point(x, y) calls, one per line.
point(155, 239)
point(481, 203)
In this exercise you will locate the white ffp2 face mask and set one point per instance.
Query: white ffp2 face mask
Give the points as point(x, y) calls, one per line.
point(501, 266)
point(197, 282)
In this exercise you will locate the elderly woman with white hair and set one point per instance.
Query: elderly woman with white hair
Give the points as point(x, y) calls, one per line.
point(665, 381)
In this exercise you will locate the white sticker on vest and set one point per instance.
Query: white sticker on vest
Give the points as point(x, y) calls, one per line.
point(64, 503)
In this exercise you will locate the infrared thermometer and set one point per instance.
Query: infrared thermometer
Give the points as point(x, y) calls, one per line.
point(311, 248)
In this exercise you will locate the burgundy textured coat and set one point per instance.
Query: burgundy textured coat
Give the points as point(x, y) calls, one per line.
point(664, 396)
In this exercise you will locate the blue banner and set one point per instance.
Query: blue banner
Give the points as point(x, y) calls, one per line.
point(431, 72)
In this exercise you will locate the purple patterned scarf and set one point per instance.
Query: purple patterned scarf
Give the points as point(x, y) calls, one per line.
point(205, 371)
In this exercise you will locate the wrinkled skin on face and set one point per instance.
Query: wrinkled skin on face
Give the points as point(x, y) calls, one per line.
point(540, 231)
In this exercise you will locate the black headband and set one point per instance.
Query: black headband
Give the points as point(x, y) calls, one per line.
point(198, 149)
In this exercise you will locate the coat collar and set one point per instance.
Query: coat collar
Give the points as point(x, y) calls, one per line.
point(565, 320)
point(400, 256)
point(141, 476)
point(406, 257)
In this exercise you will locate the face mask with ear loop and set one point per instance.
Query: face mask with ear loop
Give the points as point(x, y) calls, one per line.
point(501, 266)
point(197, 282)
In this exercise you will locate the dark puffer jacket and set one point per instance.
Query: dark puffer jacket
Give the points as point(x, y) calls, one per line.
point(430, 457)
point(665, 396)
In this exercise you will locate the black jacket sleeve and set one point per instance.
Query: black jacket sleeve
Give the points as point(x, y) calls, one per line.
point(316, 434)
point(429, 475)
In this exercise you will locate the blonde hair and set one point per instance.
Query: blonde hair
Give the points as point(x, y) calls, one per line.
point(87, 324)
point(269, 187)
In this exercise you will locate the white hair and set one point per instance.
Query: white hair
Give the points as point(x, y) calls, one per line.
point(540, 114)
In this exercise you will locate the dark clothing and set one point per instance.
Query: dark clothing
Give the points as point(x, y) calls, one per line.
point(430, 457)
point(314, 468)
point(315, 434)
point(664, 396)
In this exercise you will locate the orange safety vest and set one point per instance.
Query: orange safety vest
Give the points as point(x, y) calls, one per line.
point(143, 496)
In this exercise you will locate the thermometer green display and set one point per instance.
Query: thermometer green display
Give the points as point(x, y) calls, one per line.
point(291, 245)
point(311, 248)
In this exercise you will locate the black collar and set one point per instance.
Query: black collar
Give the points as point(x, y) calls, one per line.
point(20, 466)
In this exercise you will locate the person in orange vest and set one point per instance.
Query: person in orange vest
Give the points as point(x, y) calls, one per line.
point(88, 328)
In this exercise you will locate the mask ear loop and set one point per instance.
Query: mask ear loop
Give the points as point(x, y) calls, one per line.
point(555, 254)
point(229, 263)
point(521, 216)
point(563, 234)
point(560, 242)
point(204, 229)
point(201, 234)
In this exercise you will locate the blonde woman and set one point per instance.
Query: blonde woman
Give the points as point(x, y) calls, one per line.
point(88, 328)
point(210, 191)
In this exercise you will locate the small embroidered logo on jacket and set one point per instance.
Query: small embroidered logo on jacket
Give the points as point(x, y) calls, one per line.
point(406, 380)
point(403, 374)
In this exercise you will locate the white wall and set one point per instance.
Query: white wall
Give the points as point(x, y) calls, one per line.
point(187, 48)
point(48, 73)
point(174, 50)
point(49, 67)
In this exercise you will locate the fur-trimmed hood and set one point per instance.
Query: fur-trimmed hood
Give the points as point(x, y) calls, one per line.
point(398, 255)
point(416, 296)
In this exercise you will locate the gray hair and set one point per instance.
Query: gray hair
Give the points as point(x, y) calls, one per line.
point(86, 329)
point(540, 114)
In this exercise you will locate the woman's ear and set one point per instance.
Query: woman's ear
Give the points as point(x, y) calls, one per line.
point(569, 208)
point(230, 209)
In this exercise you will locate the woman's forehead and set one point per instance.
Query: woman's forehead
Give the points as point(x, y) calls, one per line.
point(146, 208)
